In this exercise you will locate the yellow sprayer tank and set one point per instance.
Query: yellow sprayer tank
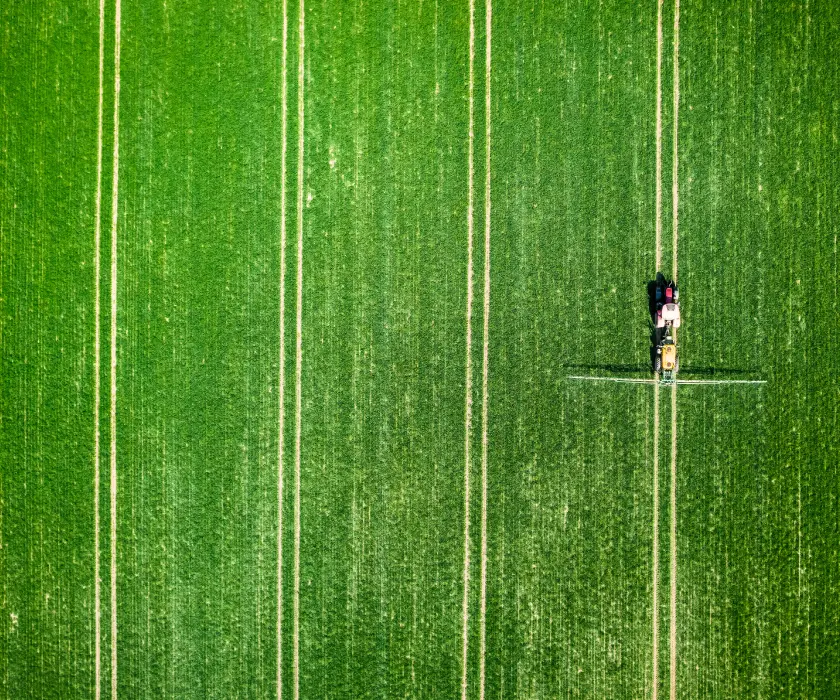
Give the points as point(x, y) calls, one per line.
point(669, 357)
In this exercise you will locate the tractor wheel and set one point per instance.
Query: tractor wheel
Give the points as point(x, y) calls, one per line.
point(676, 365)
point(657, 364)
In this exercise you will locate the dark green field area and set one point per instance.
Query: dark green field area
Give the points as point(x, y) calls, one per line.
point(289, 470)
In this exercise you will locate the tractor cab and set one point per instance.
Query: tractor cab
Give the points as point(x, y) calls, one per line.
point(669, 315)
point(667, 305)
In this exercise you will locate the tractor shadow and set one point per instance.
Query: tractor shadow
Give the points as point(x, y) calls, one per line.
point(657, 335)
point(622, 369)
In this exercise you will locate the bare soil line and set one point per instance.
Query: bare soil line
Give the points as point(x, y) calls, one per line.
point(659, 136)
point(281, 419)
point(675, 193)
point(675, 203)
point(469, 370)
point(298, 360)
point(97, 364)
point(655, 684)
point(113, 422)
point(673, 621)
point(658, 206)
point(485, 395)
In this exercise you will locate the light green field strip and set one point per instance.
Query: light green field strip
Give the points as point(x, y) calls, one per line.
point(97, 364)
point(657, 269)
point(655, 587)
point(675, 119)
point(281, 361)
point(468, 380)
point(658, 203)
point(298, 350)
point(758, 488)
point(382, 532)
point(671, 273)
point(675, 208)
point(672, 641)
point(570, 503)
point(114, 318)
point(48, 186)
point(198, 353)
point(485, 358)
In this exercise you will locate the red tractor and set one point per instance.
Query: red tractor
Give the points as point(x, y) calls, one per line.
point(667, 314)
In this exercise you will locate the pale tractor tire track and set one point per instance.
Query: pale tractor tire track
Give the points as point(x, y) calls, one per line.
point(469, 369)
point(113, 416)
point(673, 626)
point(485, 369)
point(658, 207)
point(658, 203)
point(675, 203)
point(298, 360)
point(97, 365)
point(655, 587)
point(281, 418)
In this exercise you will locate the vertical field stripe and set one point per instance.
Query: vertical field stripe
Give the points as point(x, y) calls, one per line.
point(97, 363)
point(658, 207)
point(468, 379)
point(673, 645)
point(281, 418)
point(658, 204)
point(675, 201)
point(298, 358)
point(113, 455)
point(675, 194)
point(485, 368)
point(655, 595)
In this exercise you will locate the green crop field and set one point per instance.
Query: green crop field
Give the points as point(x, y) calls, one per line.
point(289, 296)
